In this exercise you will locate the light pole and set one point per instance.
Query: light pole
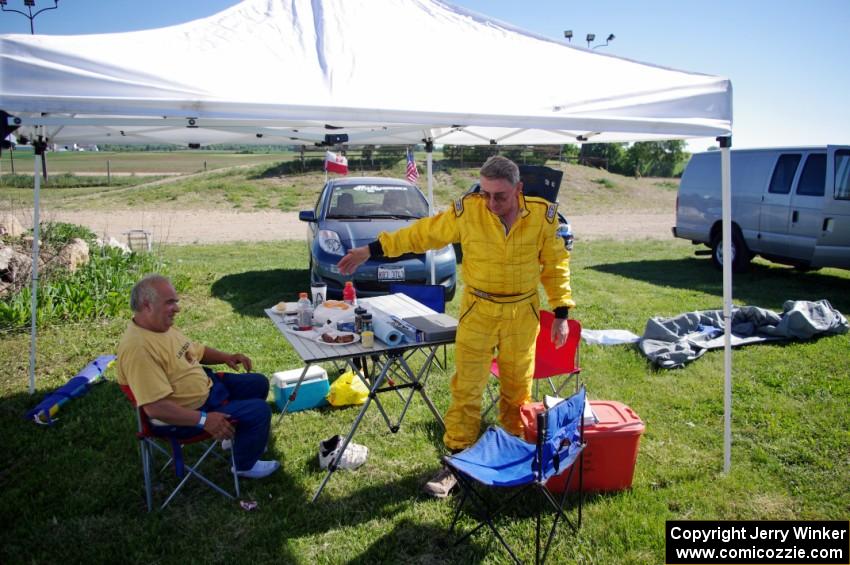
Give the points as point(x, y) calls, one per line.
point(590, 38)
point(30, 4)
point(608, 40)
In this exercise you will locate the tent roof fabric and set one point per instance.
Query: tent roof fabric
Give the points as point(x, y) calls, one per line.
point(381, 71)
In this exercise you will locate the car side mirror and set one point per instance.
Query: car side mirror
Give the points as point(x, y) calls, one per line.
point(307, 216)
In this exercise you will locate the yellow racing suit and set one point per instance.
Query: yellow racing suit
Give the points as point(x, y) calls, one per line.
point(500, 303)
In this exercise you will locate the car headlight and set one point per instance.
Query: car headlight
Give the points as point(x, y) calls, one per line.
point(329, 242)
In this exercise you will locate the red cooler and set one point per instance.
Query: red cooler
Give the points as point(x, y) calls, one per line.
point(612, 446)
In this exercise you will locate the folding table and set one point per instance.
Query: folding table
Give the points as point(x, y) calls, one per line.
point(391, 373)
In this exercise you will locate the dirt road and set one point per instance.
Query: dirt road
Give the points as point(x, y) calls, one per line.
point(215, 226)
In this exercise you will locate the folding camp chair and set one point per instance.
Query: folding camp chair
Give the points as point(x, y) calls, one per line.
point(502, 461)
point(150, 436)
point(431, 295)
point(550, 364)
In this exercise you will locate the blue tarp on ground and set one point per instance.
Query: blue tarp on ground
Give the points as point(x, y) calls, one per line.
point(673, 342)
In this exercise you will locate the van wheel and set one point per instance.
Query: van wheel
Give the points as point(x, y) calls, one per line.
point(741, 256)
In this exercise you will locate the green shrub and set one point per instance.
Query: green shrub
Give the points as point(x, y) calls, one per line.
point(60, 233)
point(100, 289)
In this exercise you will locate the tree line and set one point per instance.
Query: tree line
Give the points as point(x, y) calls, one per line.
point(641, 159)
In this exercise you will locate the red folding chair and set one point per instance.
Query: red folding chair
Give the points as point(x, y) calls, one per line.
point(150, 437)
point(550, 364)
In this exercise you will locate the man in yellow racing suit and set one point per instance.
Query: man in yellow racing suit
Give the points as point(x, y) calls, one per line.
point(509, 247)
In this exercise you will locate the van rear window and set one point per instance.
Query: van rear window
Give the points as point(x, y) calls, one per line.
point(814, 176)
point(842, 174)
point(783, 174)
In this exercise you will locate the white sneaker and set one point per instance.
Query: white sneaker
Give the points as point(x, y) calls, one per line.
point(353, 457)
point(260, 470)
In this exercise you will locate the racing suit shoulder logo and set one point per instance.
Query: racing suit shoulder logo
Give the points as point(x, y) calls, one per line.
point(458, 207)
point(551, 212)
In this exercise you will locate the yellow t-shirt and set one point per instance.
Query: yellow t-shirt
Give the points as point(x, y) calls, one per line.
point(160, 365)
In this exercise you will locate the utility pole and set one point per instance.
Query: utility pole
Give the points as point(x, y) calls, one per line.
point(29, 4)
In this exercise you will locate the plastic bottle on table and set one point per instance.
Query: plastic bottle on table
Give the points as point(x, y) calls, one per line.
point(358, 319)
point(349, 295)
point(367, 334)
point(305, 312)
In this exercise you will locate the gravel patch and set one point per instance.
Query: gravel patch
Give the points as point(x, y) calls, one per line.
point(216, 226)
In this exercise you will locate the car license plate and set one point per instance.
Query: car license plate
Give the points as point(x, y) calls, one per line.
point(391, 273)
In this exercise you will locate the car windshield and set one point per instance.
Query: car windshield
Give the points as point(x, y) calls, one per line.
point(377, 201)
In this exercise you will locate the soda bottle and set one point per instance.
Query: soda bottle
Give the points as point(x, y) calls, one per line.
point(349, 295)
point(305, 312)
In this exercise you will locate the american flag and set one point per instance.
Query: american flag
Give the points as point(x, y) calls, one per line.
point(412, 171)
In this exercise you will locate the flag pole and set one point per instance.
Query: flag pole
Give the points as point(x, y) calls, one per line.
point(429, 153)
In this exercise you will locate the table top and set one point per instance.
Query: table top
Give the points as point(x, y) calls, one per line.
point(310, 350)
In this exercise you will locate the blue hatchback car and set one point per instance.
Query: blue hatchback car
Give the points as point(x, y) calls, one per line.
point(351, 212)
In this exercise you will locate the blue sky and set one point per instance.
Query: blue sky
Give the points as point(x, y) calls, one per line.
point(787, 59)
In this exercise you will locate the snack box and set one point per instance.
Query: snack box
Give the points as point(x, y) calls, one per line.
point(311, 393)
point(611, 451)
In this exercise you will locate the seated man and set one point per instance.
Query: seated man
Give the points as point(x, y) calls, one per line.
point(163, 369)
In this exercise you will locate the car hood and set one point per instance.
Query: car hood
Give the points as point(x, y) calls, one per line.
point(354, 233)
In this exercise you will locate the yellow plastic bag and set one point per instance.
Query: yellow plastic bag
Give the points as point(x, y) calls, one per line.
point(348, 389)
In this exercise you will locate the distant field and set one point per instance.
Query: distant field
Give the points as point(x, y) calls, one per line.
point(259, 185)
point(141, 162)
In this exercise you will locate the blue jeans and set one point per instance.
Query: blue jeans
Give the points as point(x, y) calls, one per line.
point(242, 396)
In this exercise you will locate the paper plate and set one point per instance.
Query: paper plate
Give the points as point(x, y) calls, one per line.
point(335, 334)
point(307, 334)
point(336, 305)
point(285, 308)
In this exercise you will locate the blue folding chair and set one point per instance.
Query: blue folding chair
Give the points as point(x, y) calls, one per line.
point(499, 460)
point(431, 295)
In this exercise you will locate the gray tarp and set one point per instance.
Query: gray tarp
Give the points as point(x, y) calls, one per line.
point(672, 342)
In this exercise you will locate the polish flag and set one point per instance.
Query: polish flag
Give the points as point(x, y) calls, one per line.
point(336, 163)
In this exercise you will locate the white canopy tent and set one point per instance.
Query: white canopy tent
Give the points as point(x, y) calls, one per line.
point(298, 71)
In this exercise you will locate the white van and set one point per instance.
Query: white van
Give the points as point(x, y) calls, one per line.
point(790, 205)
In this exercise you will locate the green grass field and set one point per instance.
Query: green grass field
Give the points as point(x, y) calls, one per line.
point(139, 162)
point(73, 492)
